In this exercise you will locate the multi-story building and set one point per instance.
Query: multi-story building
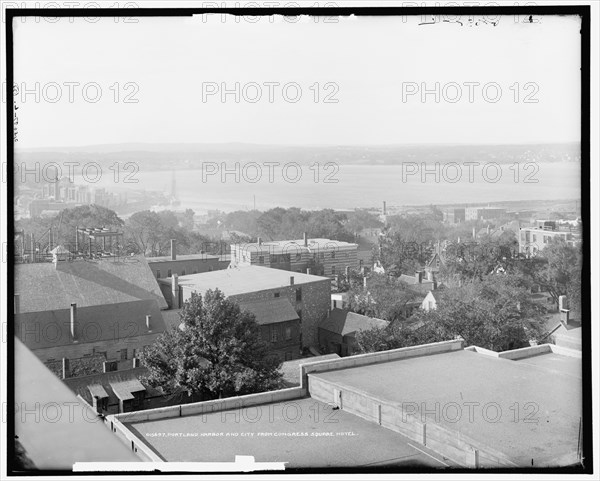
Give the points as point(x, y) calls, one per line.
point(484, 213)
point(534, 239)
point(282, 293)
point(324, 257)
point(76, 316)
point(166, 266)
point(454, 216)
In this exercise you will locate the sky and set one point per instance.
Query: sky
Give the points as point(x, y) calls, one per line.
point(347, 81)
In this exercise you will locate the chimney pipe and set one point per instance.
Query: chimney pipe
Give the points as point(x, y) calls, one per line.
point(175, 290)
point(419, 276)
point(17, 304)
point(305, 239)
point(291, 280)
point(173, 250)
point(65, 368)
point(73, 320)
point(149, 322)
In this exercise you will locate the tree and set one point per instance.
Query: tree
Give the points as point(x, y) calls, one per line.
point(217, 352)
point(385, 298)
point(495, 313)
point(557, 269)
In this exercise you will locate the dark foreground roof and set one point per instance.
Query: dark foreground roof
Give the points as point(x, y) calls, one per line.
point(43, 286)
point(40, 330)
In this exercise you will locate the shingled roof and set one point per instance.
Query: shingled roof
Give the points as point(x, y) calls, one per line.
point(271, 311)
point(40, 330)
point(347, 323)
point(45, 286)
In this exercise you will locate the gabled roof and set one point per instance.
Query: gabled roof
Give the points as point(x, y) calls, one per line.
point(271, 311)
point(412, 280)
point(44, 286)
point(347, 323)
point(40, 330)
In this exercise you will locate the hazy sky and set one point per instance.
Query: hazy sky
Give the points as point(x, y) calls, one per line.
point(368, 62)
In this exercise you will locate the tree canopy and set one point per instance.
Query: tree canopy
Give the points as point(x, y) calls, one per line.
point(216, 352)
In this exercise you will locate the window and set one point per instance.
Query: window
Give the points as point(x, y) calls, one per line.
point(274, 334)
point(333, 255)
point(158, 274)
point(261, 259)
point(123, 354)
point(298, 294)
point(332, 270)
point(298, 256)
point(169, 273)
point(288, 333)
point(276, 294)
point(334, 304)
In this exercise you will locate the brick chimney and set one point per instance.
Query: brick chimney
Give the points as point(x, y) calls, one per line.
point(175, 290)
point(173, 250)
point(419, 276)
point(17, 303)
point(73, 321)
point(305, 239)
point(291, 280)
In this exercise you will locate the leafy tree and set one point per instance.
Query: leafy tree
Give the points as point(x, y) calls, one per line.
point(557, 269)
point(398, 254)
point(495, 313)
point(385, 298)
point(216, 353)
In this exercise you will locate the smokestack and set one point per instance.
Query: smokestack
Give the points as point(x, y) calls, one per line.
point(291, 280)
point(17, 304)
point(305, 239)
point(149, 322)
point(173, 250)
point(384, 208)
point(73, 320)
point(175, 290)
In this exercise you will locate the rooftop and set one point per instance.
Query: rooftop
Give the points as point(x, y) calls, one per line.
point(534, 403)
point(302, 433)
point(44, 286)
point(293, 246)
point(347, 323)
point(40, 330)
point(182, 257)
point(241, 280)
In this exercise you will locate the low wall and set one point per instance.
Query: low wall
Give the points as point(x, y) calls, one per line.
point(206, 407)
point(141, 449)
point(525, 352)
point(446, 442)
point(377, 357)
